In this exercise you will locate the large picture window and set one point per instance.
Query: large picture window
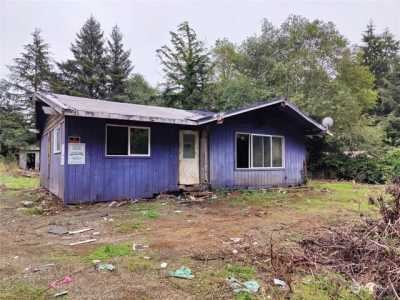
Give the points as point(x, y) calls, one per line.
point(127, 141)
point(254, 151)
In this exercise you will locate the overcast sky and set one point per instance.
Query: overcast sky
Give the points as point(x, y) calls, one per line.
point(146, 23)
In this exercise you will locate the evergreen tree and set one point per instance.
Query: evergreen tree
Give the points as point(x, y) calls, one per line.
point(187, 67)
point(14, 122)
point(86, 73)
point(120, 65)
point(140, 91)
point(380, 53)
point(31, 72)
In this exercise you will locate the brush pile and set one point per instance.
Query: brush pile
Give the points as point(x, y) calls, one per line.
point(366, 253)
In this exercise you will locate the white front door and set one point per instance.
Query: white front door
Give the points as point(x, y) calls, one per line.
point(189, 157)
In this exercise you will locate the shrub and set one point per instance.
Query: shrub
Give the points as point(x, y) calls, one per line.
point(361, 168)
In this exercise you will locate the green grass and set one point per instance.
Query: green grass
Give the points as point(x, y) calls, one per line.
point(330, 286)
point(322, 198)
point(240, 272)
point(19, 182)
point(139, 264)
point(109, 251)
point(128, 227)
point(18, 290)
point(146, 210)
point(33, 211)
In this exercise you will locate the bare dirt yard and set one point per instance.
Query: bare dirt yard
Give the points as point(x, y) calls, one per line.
point(238, 234)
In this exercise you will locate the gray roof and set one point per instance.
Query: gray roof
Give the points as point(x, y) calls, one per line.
point(87, 107)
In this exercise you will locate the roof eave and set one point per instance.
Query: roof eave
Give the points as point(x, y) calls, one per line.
point(102, 115)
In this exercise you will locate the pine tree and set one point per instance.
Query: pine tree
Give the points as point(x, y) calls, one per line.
point(120, 66)
point(187, 69)
point(86, 73)
point(31, 72)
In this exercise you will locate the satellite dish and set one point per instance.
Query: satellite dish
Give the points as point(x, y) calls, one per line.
point(327, 122)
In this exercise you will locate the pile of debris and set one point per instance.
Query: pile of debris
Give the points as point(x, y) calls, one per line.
point(366, 253)
point(195, 197)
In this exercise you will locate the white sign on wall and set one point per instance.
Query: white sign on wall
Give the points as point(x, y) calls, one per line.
point(62, 157)
point(76, 154)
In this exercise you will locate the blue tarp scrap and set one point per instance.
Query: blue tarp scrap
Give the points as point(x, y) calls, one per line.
point(250, 286)
point(182, 272)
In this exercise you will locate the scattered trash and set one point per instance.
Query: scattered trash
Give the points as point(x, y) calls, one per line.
point(146, 257)
point(96, 233)
point(105, 267)
point(235, 239)
point(39, 268)
point(82, 242)
point(177, 211)
point(139, 247)
point(234, 251)
point(60, 294)
point(371, 287)
point(250, 286)
point(163, 265)
point(96, 261)
point(182, 272)
point(80, 230)
point(112, 204)
point(27, 204)
point(57, 229)
point(121, 203)
point(355, 287)
point(280, 283)
point(58, 283)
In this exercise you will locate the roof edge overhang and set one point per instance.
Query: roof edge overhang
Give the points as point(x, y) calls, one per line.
point(63, 109)
point(67, 111)
point(281, 101)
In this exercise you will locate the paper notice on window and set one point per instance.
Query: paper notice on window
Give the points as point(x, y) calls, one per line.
point(76, 154)
point(62, 156)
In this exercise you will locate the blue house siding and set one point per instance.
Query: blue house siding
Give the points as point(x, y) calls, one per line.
point(104, 178)
point(52, 173)
point(223, 172)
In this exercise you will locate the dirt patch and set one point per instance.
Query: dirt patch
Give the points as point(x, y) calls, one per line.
point(204, 235)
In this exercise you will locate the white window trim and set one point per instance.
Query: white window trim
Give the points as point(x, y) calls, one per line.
point(55, 149)
point(251, 151)
point(129, 142)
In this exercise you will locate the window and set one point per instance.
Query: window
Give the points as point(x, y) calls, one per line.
point(57, 139)
point(189, 140)
point(139, 140)
point(117, 140)
point(259, 151)
point(127, 140)
point(243, 151)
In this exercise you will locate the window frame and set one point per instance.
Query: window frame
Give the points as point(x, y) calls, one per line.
point(251, 167)
point(56, 132)
point(129, 141)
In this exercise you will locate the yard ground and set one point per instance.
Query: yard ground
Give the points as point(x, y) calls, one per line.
point(200, 236)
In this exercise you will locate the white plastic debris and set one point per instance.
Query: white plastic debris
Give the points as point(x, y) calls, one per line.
point(280, 283)
point(163, 265)
point(235, 239)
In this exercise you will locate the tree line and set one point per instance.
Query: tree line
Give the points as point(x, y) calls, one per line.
point(308, 61)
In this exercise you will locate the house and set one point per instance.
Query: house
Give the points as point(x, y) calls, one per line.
point(95, 150)
point(29, 157)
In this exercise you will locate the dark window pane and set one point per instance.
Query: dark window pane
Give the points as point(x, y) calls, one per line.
point(267, 152)
point(188, 145)
point(140, 141)
point(117, 140)
point(242, 150)
point(257, 151)
point(277, 155)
